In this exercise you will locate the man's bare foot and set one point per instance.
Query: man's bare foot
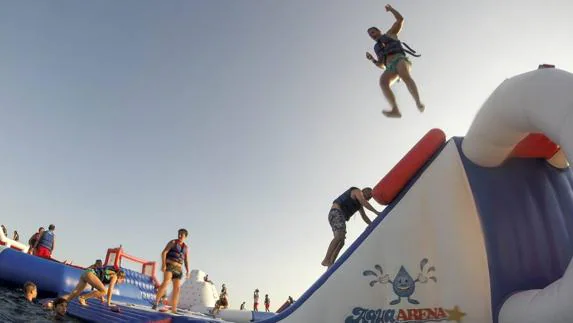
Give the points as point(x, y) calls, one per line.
point(325, 263)
point(394, 113)
point(421, 106)
point(82, 301)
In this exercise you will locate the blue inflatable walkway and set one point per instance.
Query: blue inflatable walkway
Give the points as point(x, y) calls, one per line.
point(98, 312)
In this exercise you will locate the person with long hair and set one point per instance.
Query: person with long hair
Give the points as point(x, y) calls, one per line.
point(97, 278)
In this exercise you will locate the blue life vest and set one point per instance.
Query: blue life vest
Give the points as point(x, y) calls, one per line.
point(177, 252)
point(386, 46)
point(47, 240)
point(348, 205)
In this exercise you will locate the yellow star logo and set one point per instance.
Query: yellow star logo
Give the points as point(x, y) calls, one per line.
point(455, 314)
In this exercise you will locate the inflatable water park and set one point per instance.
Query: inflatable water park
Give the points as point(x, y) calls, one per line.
point(476, 229)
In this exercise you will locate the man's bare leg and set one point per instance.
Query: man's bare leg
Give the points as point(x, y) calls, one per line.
point(175, 294)
point(334, 248)
point(386, 81)
point(161, 291)
point(404, 73)
point(341, 235)
point(331, 247)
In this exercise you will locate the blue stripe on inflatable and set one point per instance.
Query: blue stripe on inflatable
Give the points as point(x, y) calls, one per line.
point(260, 316)
point(526, 211)
point(17, 268)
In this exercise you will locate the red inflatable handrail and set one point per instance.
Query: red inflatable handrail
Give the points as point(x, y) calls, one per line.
point(394, 182)
point(535, 145)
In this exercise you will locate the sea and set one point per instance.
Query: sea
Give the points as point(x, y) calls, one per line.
point(15, 308)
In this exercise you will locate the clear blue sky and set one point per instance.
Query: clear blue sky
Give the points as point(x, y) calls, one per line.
point(239, 120)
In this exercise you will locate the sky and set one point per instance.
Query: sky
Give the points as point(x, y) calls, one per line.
point(241, 121)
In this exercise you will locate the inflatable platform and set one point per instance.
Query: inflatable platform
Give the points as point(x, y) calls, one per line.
point(9, 243)
point(476, 229)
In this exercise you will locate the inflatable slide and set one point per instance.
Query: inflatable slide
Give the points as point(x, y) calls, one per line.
point(476, 229)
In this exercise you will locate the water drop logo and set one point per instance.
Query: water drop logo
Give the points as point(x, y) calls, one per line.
point(403, 284)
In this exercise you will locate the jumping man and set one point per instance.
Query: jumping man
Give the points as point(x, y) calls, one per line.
point(392, 56)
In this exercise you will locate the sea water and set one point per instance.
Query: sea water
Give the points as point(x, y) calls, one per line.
point(15, 308)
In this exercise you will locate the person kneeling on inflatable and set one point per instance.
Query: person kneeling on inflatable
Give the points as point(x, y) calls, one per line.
point(97, 278)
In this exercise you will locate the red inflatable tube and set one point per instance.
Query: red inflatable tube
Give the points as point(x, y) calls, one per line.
point(535, 145)
point(394, 182)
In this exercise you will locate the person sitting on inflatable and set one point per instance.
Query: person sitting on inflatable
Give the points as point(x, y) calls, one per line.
point(221, 303)
point(97, 278)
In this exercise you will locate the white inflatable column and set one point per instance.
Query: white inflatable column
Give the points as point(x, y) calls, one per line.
point(196, 294)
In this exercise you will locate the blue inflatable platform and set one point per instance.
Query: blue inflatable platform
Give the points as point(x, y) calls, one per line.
point(55, 279)
point(99, 313)
point(134, 297)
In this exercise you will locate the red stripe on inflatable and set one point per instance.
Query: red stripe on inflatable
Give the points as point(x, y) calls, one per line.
point(535, 145)
point(394, 182)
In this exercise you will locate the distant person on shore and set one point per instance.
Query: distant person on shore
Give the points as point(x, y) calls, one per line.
point(4, 230)
point(256, 300)
point(267, 303)
point(16, 236)
point(243, 306)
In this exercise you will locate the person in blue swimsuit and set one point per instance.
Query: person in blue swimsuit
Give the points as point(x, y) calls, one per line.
point(392, 56)
point(343, 208)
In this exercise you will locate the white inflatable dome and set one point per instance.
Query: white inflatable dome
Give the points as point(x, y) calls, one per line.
point(196, 294)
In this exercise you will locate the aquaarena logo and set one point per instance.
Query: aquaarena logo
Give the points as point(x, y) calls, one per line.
point(404, 287)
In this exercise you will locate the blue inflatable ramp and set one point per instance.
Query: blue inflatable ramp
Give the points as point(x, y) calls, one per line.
point(98, 312)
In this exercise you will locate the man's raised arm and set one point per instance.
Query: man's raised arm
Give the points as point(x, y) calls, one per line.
point(397, 26)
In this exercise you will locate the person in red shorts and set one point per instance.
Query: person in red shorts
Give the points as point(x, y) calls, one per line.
point(256, 300)
point(46, 243)
point(267, 303)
